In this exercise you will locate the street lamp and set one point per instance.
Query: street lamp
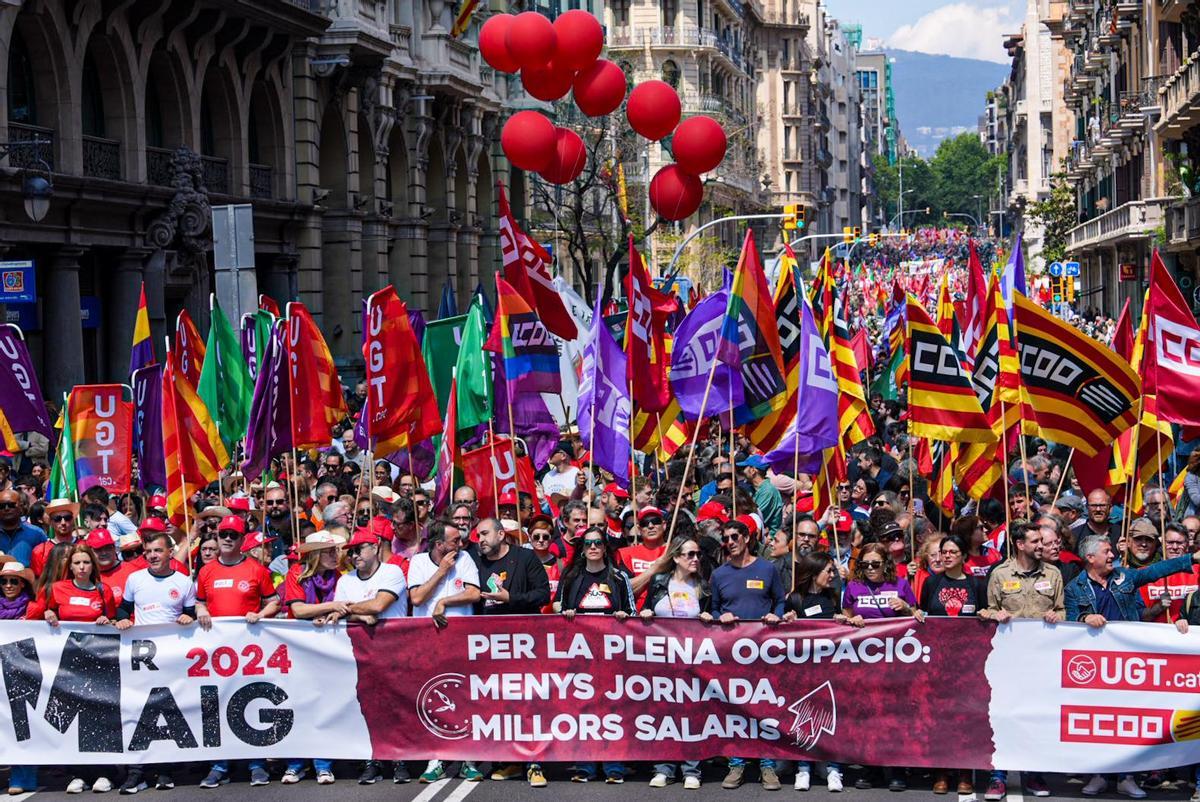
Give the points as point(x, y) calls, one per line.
point(37, 187)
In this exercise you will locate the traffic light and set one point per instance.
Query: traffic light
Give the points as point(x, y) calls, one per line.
point(793, 217)
point(858, 232)
point(872, 240)
point(847, 234)
point(1070, 285)
point(1056, 289)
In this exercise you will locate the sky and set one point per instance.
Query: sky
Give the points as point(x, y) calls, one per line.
point(966, 28)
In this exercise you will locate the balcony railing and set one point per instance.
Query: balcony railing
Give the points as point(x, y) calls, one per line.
point(216, 174)
point(1180, 95)
point(102, 158)
point(1133, 220)
point(29, 146)
point(158, 166)
point(1183, 221)
point(262, 181)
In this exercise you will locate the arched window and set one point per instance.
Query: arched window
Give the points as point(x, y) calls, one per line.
point(22, 100)
point(670, 73)
point(155, 137)
point(92, 99)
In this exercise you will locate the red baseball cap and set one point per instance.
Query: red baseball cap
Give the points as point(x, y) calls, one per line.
point(646, 512)
point(255, 540)
point(507, 499)
point(844, 522)
point(362, 536)
point(804, 503)
point(751, 523)
point(233, 523)
point(153, 525)
point(157, 502)
point(616, 490)
point(98, 539)
point(712, 511)
point(238, 503)
point(380, 528)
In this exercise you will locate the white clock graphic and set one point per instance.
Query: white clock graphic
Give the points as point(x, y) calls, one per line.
point(442, 706)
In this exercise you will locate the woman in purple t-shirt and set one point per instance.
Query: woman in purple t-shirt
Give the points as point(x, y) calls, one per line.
point(874, 590)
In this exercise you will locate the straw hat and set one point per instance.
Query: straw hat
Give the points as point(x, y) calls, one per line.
point(320, 540)
point(62, 505)
point(13, 567)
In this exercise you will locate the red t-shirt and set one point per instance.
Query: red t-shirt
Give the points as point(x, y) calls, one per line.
point(291, 590)
point(553, 574)
point(115, 579)
point(41, 553)
point(637, 560)
point(234, 590)
point(978, 564)
point(74, 604)
point(1176, 587)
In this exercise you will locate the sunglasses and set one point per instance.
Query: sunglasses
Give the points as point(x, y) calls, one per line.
point(690, 555)
point(589, 543)
point(11, 580)
point(843, 487)
point(8, 505)
point(542, 538)
point(881, 502)
point(354, 551)
point(275, 502)
point(869, 564)
point(331, 498)
point(228, 536)
point(730, 538)
point(421, 503)
point(60, 518)
point(652, 521)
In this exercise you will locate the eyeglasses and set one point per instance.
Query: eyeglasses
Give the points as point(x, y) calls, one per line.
point(420, 503)
point(354, 551)
point(1098, 506)
point(275, 502)
point(951, 552)
point(8, 505)
point(881, 502)
point(652, 521)
point(869, 564)
point(690, 555)
point(589, 543)
point(10, 580)
point(543, 538)
point(730, 538)
point(331, 498)
point(61, 518)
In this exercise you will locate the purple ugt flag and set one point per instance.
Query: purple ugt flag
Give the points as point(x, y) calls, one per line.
point(815, 426)
point(270, 432)
point(20, 394)
point(147, 428)
point(604, 402)
point(531, 418)
point(692, 358)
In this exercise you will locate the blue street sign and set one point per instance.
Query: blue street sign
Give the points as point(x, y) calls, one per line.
point(17, 283)
point(1056, 269)
point(1071, 268)
point(89, 311)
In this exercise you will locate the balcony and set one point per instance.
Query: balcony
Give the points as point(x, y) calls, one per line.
point(1183, 222)
point(216, 174)
point(1133, 220)
point(101, 158)
point(1129, 10)
point(30, 146)
point(262, 181)
point(1180, 95)
point(158, 166)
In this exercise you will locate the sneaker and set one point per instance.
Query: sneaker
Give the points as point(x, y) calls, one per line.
point(535, 777)
point(292, 776)
point(433, 772)
point(770, 779)
point(897, 784)
point(215, 779)
point(165, 782)
point(660, 780)
point(691, 783)
point(941, 784)
point(509, 771)
point(1196, 795)
point(76, 786)
point(580, 777)
point(1036, 786)
point(15, 790)
point(966, 788)
point(469, 773)
point(259, 776)
point(134, 782)
point(1095, 786)
point(370, 773)
point(1126, 787)
point(614, 778)
point(325, 778)
point(102, 785)
point(400, 773)
point(863, 783)
point(803, 780)
point(996, 791)
point(734, 778)
point(834, 781)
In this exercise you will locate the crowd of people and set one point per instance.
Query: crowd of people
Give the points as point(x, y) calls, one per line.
point(335, 538)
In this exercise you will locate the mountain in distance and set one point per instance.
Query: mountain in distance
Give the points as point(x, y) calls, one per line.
point(940, 96)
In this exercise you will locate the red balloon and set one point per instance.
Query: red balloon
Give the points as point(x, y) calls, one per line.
point(492, 44)
point(698, 145)
point(600, 88)
point(653, 109)
point(568, 160)
point(580, 38)
point(549, 81)
point(528, 140)
point(531, 39)
point(675, 194)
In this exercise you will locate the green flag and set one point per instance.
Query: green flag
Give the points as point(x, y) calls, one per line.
point(474, 370)
point(62, 474)
point(225, 386)
point(885, 382)
point(439, 349)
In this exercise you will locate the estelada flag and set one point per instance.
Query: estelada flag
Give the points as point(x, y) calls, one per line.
point(941, 401)
point(189, 348)
point(530, 354)
point(646, 368)
point(1078, 391)
point(400, 398)
point(527, 267)
point(1171, 363)
point(317, 403)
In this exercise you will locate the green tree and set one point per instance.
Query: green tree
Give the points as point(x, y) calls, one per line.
point(962, 169)
point(918, 189)
point(1057, 215)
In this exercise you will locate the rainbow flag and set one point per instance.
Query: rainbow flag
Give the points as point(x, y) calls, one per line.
point(462, 20)
point(530, 353)
point(143, 348)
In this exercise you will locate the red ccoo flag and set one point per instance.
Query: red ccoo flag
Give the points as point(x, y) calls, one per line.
point(1172, 358)
point(644, 341)
point(527, 267)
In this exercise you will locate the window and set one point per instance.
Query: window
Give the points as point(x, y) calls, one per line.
point(670, 10)
point(670, 73)
point(621, 13)
point(92, 99)
point(22, 106)
point(154, 120)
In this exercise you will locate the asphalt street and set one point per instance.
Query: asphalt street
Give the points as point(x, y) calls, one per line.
point(455, 790)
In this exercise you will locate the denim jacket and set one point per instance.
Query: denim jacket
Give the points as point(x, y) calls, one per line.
point(1124, 584)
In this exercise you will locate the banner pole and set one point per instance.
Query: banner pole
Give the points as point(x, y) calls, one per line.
point(1131, 482)
point(1004, 480)
point(732, 460)
point(495, 483)
point(1024, 472)
point(1063, 478)
point(1162, 520)
point(687, 468)
point(632, 467)
point(837, 544)
point(294, 495)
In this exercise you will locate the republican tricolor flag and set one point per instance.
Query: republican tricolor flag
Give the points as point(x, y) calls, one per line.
point(142, 353)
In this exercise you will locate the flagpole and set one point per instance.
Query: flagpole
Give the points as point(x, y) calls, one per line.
point(732, 461)
point(633, 468)
point(795, 483)
point(1004, 478)
point(687, 468)
point(495, 483)
point(1131, 482)
point(1063, 477)
point(837, 544)
point(1162, 520)
point(512, 436)
point(1024, 469)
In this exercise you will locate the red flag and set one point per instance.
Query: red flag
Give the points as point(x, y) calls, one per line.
point(975, 306)
point(268, 303)
point(527, 267)
point(1171, 364)
point(448, 452)
point(202, 454)
point(400, 398)
point(1122, 341)
point(189, 348)
point(493, 467)
point(102, 431)
point(647, 364)
point(317, 403)
point(862, 349)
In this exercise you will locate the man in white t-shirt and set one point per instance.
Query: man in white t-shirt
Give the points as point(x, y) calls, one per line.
point(157, 594)
point(374, 590)
point(444, 582)
point(562, 476)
